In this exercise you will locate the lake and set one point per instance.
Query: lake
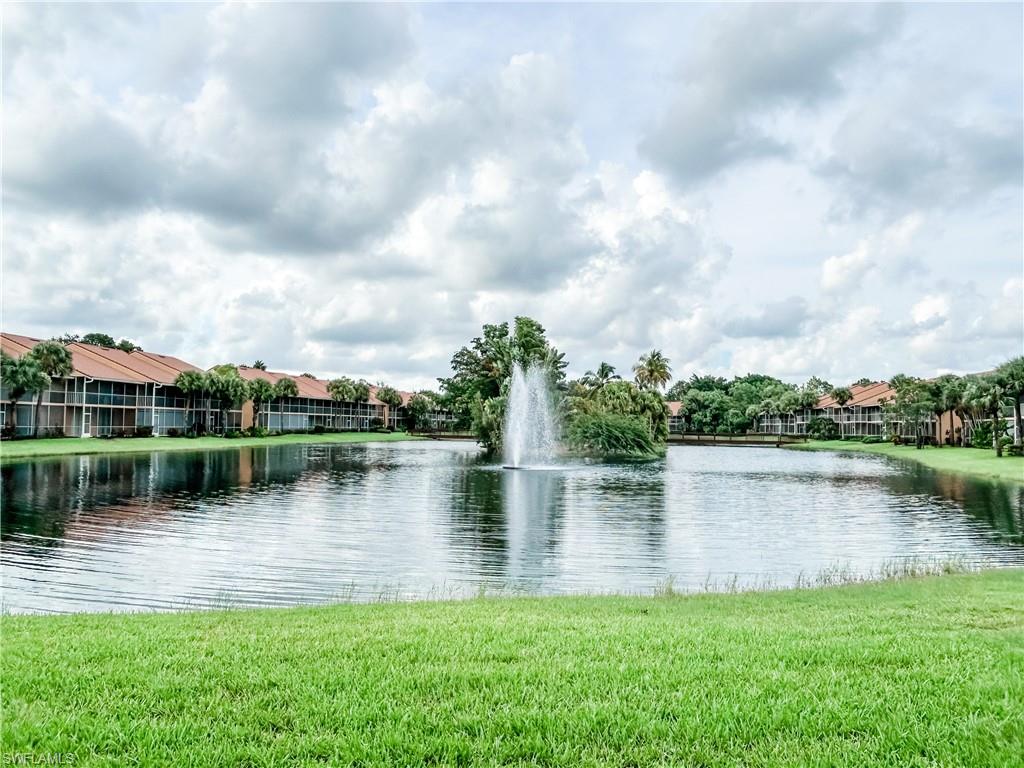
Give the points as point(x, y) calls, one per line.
point(307, 524)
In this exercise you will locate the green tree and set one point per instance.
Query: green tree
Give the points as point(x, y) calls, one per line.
point(127, 346)
point(819, 387)
point(259, 365)
point(54, 359)
point(863, 382)
point(943, 394)
point(99, 340)
point(1011, 378)
point(481, 373)
point(22, 376)
point(230, 390)
point(190, 383)
point(910, 406)
point(987, 394)
point(284, 387)
point(604, 374)
point(391, 398)
point(418, 410)
point(842, 395)
point(342, 390)
point(652, 370)
point(624, 398)
point(361, 391)
point(261, 392)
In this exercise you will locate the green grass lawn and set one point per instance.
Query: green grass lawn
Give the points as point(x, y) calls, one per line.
point(919, 672)
point(973, 461)
point(62, 446)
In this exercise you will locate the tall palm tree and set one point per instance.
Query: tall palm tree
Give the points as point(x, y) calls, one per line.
point(22, 376)
point(284, 388)
point(842, 395)
point(1011, 377)
point(605, 374)
point(987, 394)
point(190, 383)
point(652, 371)
point(54, 360)
point(260, 391)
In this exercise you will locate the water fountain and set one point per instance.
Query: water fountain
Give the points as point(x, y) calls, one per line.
point(530, 437)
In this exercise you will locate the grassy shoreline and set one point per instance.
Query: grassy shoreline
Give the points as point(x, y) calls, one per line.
point(20, 450)
point(923, 671)
point(970, 461)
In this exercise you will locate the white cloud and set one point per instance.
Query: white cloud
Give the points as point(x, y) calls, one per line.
point(331, 188)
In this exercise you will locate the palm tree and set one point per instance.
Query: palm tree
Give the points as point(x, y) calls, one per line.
point(54, 360)
point(285, 388)
point(260, 391)
point(391, 398)
point(230, 389)
point(943, 393)
point(190, 383)
point(842, 395)
point(342, 390)
point(1011, 377)
point(259, 365)
point(652, 371)
point(605, 374)
point(987, 394)
point(22, 376)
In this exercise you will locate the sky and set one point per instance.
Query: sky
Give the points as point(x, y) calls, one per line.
point(831, 190)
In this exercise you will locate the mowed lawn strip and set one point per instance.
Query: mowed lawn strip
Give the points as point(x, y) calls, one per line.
point(920, 672)
point(973, 461)
point(13, 450)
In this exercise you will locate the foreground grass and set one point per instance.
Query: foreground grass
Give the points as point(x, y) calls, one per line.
point(972, 461)
point(920, 672)
point(63, 446)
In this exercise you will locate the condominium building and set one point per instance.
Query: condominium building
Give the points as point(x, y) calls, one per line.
point(313, 407)
point(863, 415)
point(108, 392)
point(113, 392)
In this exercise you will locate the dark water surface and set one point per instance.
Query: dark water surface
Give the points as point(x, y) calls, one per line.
point(296, 524)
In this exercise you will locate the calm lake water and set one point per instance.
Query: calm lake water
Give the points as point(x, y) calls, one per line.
point(286, 525)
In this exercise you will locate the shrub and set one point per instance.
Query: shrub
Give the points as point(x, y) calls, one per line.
point(376, 423)
point(822, 428)
point(319, 429)
point(611, 434)
point(872, 439)
point(145, 431)
point(172, 432)
point(232, 434)
point(981, 437)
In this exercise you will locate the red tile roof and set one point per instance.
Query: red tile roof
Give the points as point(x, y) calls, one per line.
point(315, 388)
point(95, 362)
point(863, 396)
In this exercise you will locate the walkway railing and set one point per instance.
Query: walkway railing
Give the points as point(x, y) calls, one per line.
point(701, 438)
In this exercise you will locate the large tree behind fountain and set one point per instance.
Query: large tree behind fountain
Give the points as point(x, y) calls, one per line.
point(482, 372)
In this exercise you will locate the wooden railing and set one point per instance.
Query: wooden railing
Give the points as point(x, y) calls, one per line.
point(701, 438)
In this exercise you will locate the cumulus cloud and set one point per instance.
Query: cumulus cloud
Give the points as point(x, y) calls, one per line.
point(775, 319)
point(847, 270)
point(331, 188)
point(749, 65)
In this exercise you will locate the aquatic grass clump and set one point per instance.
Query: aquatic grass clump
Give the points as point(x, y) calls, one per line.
point(612, 435)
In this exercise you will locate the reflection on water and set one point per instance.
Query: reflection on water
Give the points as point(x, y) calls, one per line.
point(305, 524)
